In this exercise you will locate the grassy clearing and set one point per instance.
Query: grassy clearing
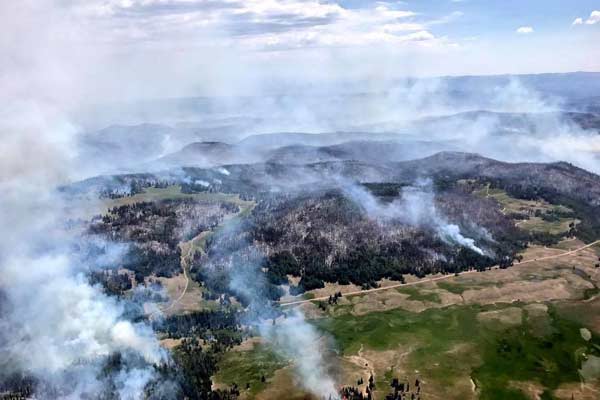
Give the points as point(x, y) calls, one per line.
point(248, 367)
point(511, 205)
point(415, 294)
point(452, 287)
point(494, 355)
point(586, 313)
point(537, 224)
point(519, 355)
point(460, 288)
point(195, 245)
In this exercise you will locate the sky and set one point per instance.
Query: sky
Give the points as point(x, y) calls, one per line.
point(150, 48)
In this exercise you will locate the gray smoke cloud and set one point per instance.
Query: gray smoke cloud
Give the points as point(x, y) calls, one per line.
point(415, 207)
point(300, 341)
point(54, 325)
point(505, 119)
point(292, 337)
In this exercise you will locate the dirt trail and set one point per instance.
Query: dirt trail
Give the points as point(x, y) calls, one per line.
point(360, 361)
point(186, 260)
point(439, 278)
point(184, 265)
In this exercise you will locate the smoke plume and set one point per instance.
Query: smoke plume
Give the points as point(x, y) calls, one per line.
point(292, 337)
point(415, 207)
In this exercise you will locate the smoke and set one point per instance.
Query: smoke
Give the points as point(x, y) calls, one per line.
point(502, 118)
point(58, 60)
point(292, 337)
point(299, 341)
point(415, 207)
point(55, 326)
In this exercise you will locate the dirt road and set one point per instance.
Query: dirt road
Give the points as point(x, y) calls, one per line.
point(186, 261)
point(439, 278)
point(184, 264)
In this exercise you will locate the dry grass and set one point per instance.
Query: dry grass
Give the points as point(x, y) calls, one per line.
point(511, 205)
point(535, 281)
point(284, 386)
point(576, 391)
point(191, 300)
point(533, 390)
point(169, 343)
point(174, 193)
point(511, 316)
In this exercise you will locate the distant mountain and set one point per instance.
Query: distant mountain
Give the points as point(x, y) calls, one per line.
point(362, 150)
point(262, 148)
point(475, 131)
point(275, 140)
point(570, 85)
point(203, 154)
point(496, 123)
point(150, 146)
point(560, 178)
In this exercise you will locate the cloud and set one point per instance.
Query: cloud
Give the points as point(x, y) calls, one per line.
point(259, 24)
point(524, 30)
point(594, 18)
point(446, 19)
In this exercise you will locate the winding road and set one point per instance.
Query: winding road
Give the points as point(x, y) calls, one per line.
point(184, 265)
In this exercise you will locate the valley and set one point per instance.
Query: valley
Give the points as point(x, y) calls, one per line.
point(299, 200)
point(438, 331)
point(506, 323)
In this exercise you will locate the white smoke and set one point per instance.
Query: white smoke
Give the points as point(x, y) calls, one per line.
point(223, 171)
point(415, 207)
point(299, 341)
point(293, 338)
point(54, 326)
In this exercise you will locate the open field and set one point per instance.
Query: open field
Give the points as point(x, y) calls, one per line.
point(511, 333)
point(173, 193)
point(500, 351)
point(247, 366)
point(571, 264)
point(493, 345)
point(88, 207)
point(533, 210)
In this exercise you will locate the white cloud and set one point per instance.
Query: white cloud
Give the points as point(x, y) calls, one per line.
point(594, 18)
point(260, 24)
point(523, 30)
point(402, 27)
point(384, 24)
point(453, 16)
